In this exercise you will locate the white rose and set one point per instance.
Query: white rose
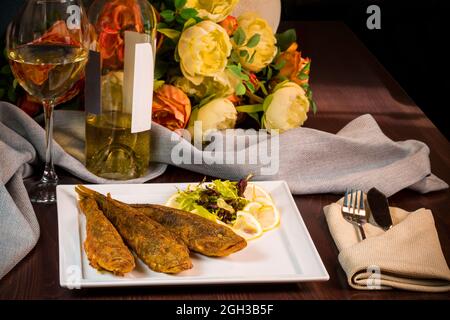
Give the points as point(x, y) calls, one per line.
point(286, 107)
point(218, 114)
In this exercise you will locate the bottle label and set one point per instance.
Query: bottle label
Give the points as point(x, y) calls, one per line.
point(92, 89)
point(138, 80)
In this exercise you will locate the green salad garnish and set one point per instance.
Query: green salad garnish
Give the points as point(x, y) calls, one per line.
point(220, 199)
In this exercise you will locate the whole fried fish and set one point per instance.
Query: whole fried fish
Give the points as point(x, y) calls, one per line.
point(199, 234)
point(103, 245)
point(154, 244)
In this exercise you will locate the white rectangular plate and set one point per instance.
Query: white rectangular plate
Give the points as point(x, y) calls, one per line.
point(284, 254)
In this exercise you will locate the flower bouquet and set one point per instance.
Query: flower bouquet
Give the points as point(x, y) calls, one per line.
point(226, 71)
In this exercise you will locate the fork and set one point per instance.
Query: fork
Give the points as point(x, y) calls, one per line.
point(353, 209)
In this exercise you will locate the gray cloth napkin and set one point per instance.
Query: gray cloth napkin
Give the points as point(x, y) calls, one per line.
point(311, 161)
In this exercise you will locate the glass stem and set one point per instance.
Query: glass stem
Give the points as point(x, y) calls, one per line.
point(49, 175)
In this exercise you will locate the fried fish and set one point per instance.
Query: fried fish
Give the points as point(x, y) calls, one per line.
point(153, 243)
point(199, 234)
point(103, 245)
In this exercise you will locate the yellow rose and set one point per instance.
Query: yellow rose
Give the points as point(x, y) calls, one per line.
point(265, 51)
point(214, 10)
point(222, 85)
point(286, 108)
point(218, 114)
point(203, 49)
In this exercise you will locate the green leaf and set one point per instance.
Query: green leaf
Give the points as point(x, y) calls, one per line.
point(306, 68)
point(314, 106)
point(263, 121)
point(171, 34)
point(5, 70)
point(234, 56)
point(280, 65)
point(302, 76)
point(189, 23)
point(239, 36)
point(263, 88)
point(250, 86)
point(236, 69)
point(176, 55)
point(285, 39)
point(180, 3)
point(161, 25)
point(255, 116)
point(2, 92)
point(252, 58)
point(158, 84)
point(305, 86)
point(15, 83)
point(206, 100)
point(269, 73)
point(251, 108)
point(168, 15)
point(180, 19)
point(188, 13)
point(243, 54)
point(267, 102)
point(254, 40)
point(240, 89)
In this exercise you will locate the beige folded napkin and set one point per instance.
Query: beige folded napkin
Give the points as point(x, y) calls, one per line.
point(408, 256)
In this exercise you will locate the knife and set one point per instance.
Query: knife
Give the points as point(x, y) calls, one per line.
point(379, 207)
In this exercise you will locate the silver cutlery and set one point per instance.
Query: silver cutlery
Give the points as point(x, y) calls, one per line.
point(379, 208)
point(354, 211)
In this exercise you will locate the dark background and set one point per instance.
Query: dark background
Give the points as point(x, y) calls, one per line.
point(413, 43)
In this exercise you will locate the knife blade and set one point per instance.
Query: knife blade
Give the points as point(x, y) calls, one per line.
point(379, 206)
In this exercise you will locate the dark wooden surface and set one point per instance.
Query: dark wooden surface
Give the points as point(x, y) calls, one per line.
point(347, 82)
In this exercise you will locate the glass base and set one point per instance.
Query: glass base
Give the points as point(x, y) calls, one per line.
point(44, 193)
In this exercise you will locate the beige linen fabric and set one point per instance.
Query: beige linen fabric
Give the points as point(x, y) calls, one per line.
point(408, 256)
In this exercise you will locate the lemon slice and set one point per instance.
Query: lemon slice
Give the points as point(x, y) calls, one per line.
point(172, 202)
point(253, 191)
point(247, 226)
point(264, 212)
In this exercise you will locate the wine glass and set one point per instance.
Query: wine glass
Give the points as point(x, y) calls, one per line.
point(47, 46)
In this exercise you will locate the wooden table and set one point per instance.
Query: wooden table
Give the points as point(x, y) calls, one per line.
point(348, 82)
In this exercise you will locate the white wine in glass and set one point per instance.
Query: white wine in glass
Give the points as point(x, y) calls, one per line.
point(47, 46)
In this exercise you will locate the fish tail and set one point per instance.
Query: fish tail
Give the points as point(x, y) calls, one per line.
point(84, 192)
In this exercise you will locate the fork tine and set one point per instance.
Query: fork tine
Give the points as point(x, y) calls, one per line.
point(361, 200)
point(346, 198)
point(352, 205)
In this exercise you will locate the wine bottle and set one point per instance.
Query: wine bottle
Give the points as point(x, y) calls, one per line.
point(117, 130)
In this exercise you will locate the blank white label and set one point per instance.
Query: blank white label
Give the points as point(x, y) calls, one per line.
point(138, 80)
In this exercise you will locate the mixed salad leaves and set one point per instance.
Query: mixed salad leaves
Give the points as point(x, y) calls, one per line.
point(217, 200)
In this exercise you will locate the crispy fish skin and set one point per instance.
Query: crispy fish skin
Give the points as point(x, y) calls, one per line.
point(103, 245)
point(199, 234)
point(153, 243)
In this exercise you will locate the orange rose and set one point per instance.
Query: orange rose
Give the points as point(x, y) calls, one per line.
point(171, 107)
point(117, 17)
point(294, 64)
point(60, 34)
point(230, 24)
